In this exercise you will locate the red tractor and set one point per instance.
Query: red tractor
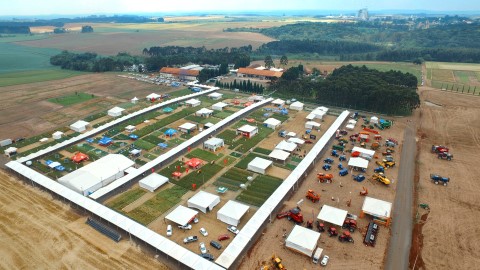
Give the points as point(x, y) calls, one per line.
point(320, 226)
point(293, 214)
point(350, 224)
point(345, 237)
point(445, 155)
point(325, 177)
point(439, 149)
point(311, 195)
point(332, 231)
point(309, 224)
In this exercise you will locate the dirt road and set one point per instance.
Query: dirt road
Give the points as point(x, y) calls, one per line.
point(400, 241)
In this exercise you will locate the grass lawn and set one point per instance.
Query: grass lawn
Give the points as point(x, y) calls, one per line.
point(32, 76)
point(236, 154)
point(228, 136)
point(181, 92)
point(203, 155)
point(194, 118)
point(463, 76)
point(153, 139)
point(443, 75)
point(242, 164)
point(259, 190)
point(207, 172)
point(245, 144)
point(230, 160)
point(262, 151)
point(223, 114)
point(92, 117)
point(126, 198)
point(232, 179)
point(153, 208)
point(144, 144)
point(150, 156)
point(175, 141)
point(72, 99)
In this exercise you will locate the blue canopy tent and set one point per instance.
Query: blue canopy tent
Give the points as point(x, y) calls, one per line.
point(89, 140)
point(105, 141)
point(170, 132)
point(133, 136)
point(163, 145)
point(167, 110)
point(196, 89)
point(266, 115)
point(284, 112)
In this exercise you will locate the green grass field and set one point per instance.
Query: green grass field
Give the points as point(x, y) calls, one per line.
point(463, 76)
point(243, 163)
point(203, 155)
point(233, 178)
point(72, 99)
point(126, 198)
point(208, 171)
point(227, 135)
point(259, 190)
point(453, 66)
point(32, 76)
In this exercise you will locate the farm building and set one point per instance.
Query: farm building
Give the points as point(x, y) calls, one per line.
point(213, 144)
point(278, 102)
point(215, 96)
point(365, 153)
point(182, 215)
point(312, 125)
point(259, 74)
point(278, 154)
point(79, 157)
point(11, 151)
point(259, 165)
point(115, 111)
point(286, 146)
point(204, 112)
point(57, 135)
point(380, 210)
point(272, 123)
point(302, 240)
point(203, 201)
point(208, 125)
point(310, 116)
point(297, 105)
point(374, 120)
point(296, 140)
point(318, 114)
point(332, 215)
point(153, 96)
point(187, 128)
point(130, 128)
point(152, 182)
point(247, 131)
point(193, 102)
point(134, 100)
point(180, 73)
point(358, 162)
point(79, 126)
point(232, 212)
point(219, 106)
point(97, 174)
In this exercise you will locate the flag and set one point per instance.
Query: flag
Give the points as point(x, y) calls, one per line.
point(189, 148)
point(225, 161)
point(153, 170)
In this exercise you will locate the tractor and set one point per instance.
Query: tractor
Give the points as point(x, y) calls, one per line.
point(386, 163)
point(350, 224)
point(364, 192)
point(334, 153)
point(328, 160)
point(388, 151)
point(439, 179)
point(340, 166)
point(359, 177)
point(309, 224)
point(375, 146)
point(379, 169)
point(311, 195)
point(343, 132)
point(343, 172)
point(278, 263)
point(439, 149)
point(320, 226)
point(380, 177)
point(328, 177)
point(293, 214)
point(389, 143)
point(332, 231)
point(445, 155)
point(342, 158)
point(345, 237)
point(327, 167)
point(338, 147)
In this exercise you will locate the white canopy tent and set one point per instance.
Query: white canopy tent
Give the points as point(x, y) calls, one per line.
point(278, 102)
point(352, 122)
point(302, 240)
point(208, 125)
point(215, 95)
point(312, 124)
point(130, 128)
point(247, 130)
point(219, 106)
point(374, 120)
point(43, 140)
point(259, 165)
point(350, 127)
point(297, 105)
point(279, 155)
point(115, 111)
point(310, 116)
point(286, 146)
point(272, 123)
point(358, 162)
point(232, 212)
point(204, 112)
point(57, 135)
point(134, 100)
point(322, 108)
point(291, 134)
point(79, 126)
point(377, 208)
point(318, 113)
point(213, 144)
point(255, 98)
point(296, 140)
point(193, 102)
point(203, 201)
point(54, 164)
point(152, 182)
point(182, 215)
point(187, 127)
point(366, 153)
point(332, 215)
point(153, 96)
point(10, 151)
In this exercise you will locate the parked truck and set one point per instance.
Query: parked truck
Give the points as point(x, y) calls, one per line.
point(317, 255)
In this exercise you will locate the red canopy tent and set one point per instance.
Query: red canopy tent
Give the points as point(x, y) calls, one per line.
point(79, 157)
point(248, 104)
point(250, 120)
point(177, 174)
point(194, 162)
point(356, 154)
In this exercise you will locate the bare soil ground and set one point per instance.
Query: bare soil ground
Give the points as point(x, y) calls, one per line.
point(451, 224)
point(38, 232)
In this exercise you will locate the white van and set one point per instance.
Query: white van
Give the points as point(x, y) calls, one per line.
point(317, 255)
point(169, 230)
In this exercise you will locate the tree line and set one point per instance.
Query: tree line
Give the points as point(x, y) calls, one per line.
point(323, 47)
point(13, 29)
point(208, 73)
point(245, 86)
point(92, 62)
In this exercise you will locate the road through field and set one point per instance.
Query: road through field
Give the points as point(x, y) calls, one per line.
point(401, 239)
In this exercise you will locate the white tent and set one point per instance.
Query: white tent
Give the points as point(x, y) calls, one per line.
point(272, 123)
point(193, 102)
point(219, 106)
point(10, 151)
point(115, 111)
point(79, 126)
point(374, 120)
point(278, 102)
point(182, 215)
point(247, 130)
point(213, 144)
point(259, 165)
point(279, 155)
point(187, 127)
point(215, 95)
point(203, 201)
point(297, 105)
point(57, 135)
point(332, 215)
point(352, 122)
point(322, 108)
point(310, 116)
point(130, 128)
point(291, 134)
point(134, 100)
point(377, 208)
point(208, 125)
point(232, 212)
point(286, 146)
point(54, 164)
point(350, 127)
point(153, 96)
point(296, 140)
point(204, 112)
point(318, 113)
point(366, 153)
point(42, 140)
point(255, 98)
point(152, 182)
point(358, 162)
point(302, 240)
point(312, 124)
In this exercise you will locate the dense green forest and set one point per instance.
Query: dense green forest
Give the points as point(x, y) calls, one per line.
point(324, 47)
point(92, 62)
point(14, 29)
point(391, 92)
point(245, 86)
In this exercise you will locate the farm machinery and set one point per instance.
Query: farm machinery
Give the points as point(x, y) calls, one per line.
point(312, 195)
point(380, 177)
point(388, 151)
point(439, 149)
point(387, 162)
point(379, 169)
point(332, 231)
point(364, 192)
point(325, 177)
point(320, 226)
point(445, 155)
point(334, 153)
point(327, 167)
point(343, 172)
point(375, 146)
point(439, 179)
point(345, 237)
point(350, 224)
point(371, 234)
point(328, 160)
point(359, 177)
point(294, 214)
point(277, 262)
point(390, 143)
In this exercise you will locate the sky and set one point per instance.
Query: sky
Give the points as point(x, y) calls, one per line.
point(67, 7)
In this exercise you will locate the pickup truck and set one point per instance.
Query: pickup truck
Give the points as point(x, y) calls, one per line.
point(190, 239)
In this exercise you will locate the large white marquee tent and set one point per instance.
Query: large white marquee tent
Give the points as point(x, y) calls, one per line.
point(203, 201)
point(259, 165)
point(182, 215)
point(152, 182)
point(302, 240)
point(232, 212)
point(332, 215)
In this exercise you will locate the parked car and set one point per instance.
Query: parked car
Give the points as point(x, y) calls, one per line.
point(203, 248)
point(233, 229)
point(169, 230)
point(185, 227)
point(215, 244)
point(195, 220)
point(324, 260)
point(207, 256)
point(190, 239)
point(203, 231)
point(223, 237)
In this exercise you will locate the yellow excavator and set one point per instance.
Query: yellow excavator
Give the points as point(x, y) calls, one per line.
point(380, 177)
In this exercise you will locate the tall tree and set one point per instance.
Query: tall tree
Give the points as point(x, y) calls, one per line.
point(284, 61)
point(269, 61)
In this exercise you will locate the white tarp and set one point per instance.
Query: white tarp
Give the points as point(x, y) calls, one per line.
point(272, 123)
point(279, 155)
point(312, 124)
point(193, 102)
point(232, 212)
point(54, 164)
point(130, 128)
point(203, 201)
point(297, 105)
point(367, 153)
point(182, 215)
point(376, 207)
point(303, 240)
point(152, 182)
point(352, 122)
point(358, 162)
point(219, 106)
point(296, 140)
point(259, 165)
point(374, 120)
point(213, 143)
point(350, 127)
point(291, 134)
point(332, 215)
point(286, 146)
point(115, 111)
point(79, 126)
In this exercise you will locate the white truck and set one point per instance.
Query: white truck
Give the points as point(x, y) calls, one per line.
point(317, 255)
